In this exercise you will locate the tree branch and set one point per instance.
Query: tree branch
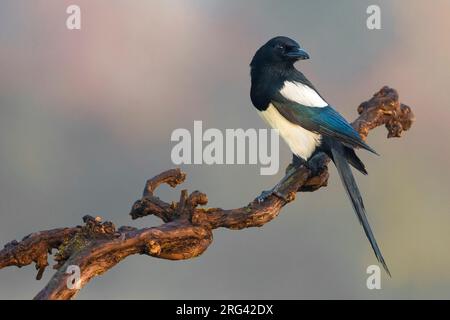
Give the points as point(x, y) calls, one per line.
point(186, 233)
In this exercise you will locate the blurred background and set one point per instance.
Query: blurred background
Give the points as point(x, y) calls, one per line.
point(86, 118)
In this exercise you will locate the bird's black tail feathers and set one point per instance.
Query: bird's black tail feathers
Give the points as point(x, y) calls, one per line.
point(353, 159)
point(343, 156)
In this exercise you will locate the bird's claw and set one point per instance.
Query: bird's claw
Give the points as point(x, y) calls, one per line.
point(267, 193)
point(264, 195)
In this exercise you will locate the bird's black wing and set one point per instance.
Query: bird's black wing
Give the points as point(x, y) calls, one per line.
point(325, 121)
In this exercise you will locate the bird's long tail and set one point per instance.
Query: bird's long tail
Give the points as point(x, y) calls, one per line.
point(345, 172)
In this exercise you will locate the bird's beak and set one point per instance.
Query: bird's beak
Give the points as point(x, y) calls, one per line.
point(298, 53)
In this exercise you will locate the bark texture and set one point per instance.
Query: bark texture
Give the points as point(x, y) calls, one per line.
point(187, 231)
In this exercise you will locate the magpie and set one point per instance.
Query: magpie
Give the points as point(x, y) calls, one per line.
point(289, 102)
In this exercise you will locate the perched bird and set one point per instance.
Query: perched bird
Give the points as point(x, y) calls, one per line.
point(288, 101)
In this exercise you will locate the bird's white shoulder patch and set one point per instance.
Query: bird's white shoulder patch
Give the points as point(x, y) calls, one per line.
point(302, 142)
point(302, 94)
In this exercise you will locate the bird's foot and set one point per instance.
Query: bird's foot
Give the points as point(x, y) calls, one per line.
point(267, 193)
point(264, 195)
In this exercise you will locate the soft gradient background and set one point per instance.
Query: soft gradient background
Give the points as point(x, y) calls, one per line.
point(86, 118)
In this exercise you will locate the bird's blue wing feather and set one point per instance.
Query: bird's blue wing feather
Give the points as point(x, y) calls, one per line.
point(325, 121)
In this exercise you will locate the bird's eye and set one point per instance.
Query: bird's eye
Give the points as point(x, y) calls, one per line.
point(279, 47)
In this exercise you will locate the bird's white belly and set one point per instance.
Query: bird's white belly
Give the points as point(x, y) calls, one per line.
point(302, 142)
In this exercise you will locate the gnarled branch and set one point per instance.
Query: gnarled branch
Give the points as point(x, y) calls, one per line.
point(98, 246)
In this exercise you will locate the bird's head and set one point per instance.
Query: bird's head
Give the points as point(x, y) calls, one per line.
point(279, 50)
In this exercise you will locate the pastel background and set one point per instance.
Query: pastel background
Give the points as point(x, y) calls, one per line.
point(86, 118)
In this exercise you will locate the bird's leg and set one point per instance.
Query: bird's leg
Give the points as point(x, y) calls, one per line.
point(296, 163)
point(317, 162)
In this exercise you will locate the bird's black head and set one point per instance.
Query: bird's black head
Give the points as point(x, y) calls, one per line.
point(279, 50)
